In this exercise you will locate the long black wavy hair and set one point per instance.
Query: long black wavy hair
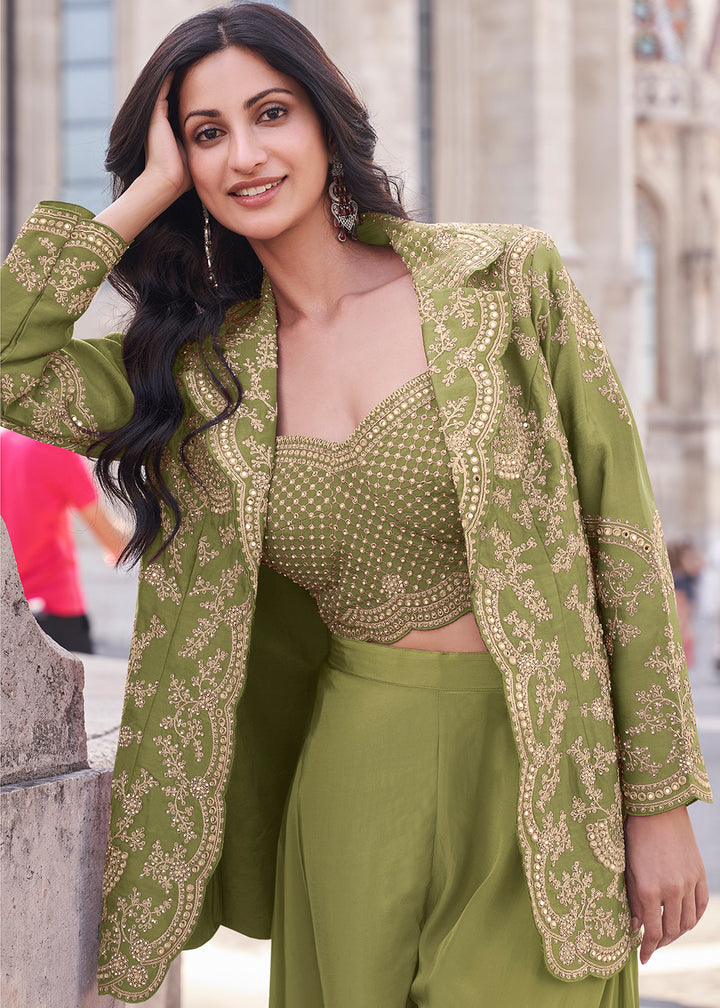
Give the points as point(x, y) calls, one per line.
point(163, 274)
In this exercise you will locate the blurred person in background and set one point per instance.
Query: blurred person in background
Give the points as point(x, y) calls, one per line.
point(686, 563)
point(40, 486)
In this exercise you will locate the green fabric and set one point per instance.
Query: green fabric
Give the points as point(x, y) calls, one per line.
point(571, 587)
point(271, 723)
point(370, 525)
point(400, 883)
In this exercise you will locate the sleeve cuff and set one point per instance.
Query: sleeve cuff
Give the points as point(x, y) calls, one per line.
point(681, 789)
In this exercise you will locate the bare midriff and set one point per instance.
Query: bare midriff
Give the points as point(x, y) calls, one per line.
point(460, 635)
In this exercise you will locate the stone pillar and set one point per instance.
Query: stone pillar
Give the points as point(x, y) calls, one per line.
point(603, 76)
point(504, 114)
point(140, 27)
point(36, 142)
point(55, 813)
point(377, 48)
point(701, 262)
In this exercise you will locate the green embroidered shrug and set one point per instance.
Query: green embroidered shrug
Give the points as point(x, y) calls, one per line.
point(571, 589)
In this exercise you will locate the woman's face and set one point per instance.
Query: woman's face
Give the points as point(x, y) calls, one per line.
point(255, 145)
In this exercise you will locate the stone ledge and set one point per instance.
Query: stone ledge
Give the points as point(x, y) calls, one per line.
point(54, 811)
point(54, 833)
point(43, 730)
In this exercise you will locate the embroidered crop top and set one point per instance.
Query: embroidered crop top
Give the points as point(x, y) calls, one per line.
point(370, 526)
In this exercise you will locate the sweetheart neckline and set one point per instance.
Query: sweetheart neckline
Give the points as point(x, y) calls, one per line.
point(357, 431)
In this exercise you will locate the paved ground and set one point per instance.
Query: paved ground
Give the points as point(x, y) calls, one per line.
point(232, 970)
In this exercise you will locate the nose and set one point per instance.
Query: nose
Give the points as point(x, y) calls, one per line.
point(245, 154)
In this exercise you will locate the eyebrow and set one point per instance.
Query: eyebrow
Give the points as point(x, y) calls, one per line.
point(215, 114)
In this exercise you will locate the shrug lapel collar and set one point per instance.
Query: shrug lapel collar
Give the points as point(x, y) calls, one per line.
point(465, 330)
point(243, 445)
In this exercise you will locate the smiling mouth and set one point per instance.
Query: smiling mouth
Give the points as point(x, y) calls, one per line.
point(257, 190)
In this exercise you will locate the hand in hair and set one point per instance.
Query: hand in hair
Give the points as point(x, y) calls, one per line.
point(164, 154)
point(164, 178)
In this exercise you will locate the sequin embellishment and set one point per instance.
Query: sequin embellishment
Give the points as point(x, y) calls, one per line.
point(370, 526)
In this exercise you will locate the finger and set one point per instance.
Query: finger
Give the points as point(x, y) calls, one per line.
point(702, 898)
point(652, 932)
point(634, 902)
point(689, 916)
point(672, 916)
point(166, 85)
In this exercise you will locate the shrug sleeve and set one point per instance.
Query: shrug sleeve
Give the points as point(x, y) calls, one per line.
point(660, 759)
point(55, 388)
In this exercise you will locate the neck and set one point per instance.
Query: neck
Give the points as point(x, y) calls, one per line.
point(310, 273)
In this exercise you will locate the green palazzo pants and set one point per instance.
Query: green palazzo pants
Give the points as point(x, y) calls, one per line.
point(399, 880)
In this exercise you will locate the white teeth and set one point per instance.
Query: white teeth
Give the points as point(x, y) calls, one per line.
point(256, 190)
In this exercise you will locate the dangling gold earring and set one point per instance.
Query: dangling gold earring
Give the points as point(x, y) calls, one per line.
point(343, 207)
point(208, 247)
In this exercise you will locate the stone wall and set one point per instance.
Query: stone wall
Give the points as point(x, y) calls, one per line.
point(54, 809)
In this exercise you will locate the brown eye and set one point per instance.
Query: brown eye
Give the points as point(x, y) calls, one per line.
point(274, 113)
point(209, 133)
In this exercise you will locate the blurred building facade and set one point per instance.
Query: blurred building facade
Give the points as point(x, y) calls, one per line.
point(595, 120)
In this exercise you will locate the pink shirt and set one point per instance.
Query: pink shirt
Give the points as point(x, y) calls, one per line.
point(39, 484)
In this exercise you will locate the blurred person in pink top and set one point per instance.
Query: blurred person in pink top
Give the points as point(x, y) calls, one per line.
point(39, 487)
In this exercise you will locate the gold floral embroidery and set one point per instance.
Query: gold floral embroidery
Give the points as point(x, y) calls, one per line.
point(53, 220)
point(71, 289)
point(128, 737)
point(56, 404)
point(208, 487)
point(56, 270)
point(228, 534)
point(666, 707)
point(100, 241)
point(128, 796)
point(576, 911)
point(527, 608)
point(137, 689)
point(469, 423)
point(511, 445)
point(205, 551)
point(136, 917)
point(181, 748)
point(514, 275)
point(164, 584)
point(581, 914)
point(31, 272)
point(246, 461)
point(15, 387)
point(201, 725)
point(620, 585)
point(588, 343)
point(216, 596)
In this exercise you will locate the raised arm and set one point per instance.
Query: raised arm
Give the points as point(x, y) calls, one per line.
point(165, 178)
point(56, 388)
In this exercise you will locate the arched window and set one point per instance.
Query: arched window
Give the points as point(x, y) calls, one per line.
point(647, 248)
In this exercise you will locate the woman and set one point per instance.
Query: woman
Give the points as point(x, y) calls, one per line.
point(414, 430)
